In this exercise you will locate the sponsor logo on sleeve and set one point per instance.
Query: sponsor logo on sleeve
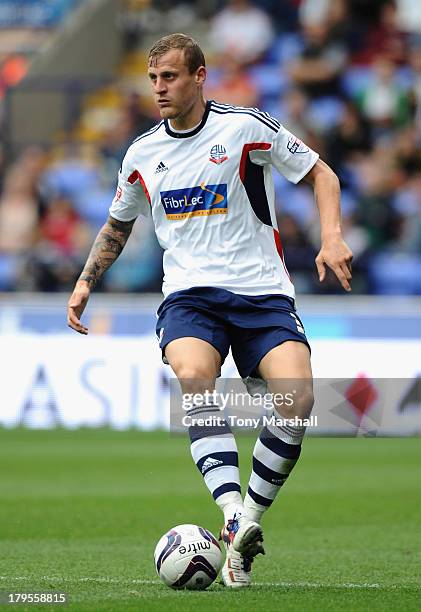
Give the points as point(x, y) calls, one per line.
point(200, 201)
point(295, 145)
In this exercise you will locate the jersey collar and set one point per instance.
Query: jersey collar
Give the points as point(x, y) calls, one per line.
point(192, 132)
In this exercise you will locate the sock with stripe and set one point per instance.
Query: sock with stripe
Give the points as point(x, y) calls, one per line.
point(215, 453)
point(274, 456)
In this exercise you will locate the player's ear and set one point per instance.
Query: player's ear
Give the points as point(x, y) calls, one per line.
point(200, 75)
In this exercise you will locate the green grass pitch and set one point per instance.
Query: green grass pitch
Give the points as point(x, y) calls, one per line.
point(81, 512)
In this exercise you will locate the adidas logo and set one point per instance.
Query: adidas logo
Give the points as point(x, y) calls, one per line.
point(210, 463)
point(161, 168)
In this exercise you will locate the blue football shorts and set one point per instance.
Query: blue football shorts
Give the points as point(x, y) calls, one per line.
point(250, 325)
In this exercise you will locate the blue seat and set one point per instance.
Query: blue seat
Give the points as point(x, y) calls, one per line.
point(395, 274)
point(8, 271)
point(326, 112)
point(269, 79)
point(93, 206)
point(356, 79)
point(285, 48)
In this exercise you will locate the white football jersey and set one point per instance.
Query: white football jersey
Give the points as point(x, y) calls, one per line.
point(211, 196)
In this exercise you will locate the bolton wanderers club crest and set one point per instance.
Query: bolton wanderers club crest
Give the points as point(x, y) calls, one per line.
point(218, 154)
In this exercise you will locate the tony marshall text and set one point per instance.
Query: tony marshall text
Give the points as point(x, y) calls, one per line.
point(234, 421)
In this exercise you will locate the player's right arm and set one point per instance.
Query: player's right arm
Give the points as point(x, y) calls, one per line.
point(130, 201)
point(107, 247)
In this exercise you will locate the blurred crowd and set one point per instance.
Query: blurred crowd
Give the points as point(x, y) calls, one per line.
point(343, 75)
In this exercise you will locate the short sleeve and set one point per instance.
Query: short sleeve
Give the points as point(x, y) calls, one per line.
point(290, 156)
point(131, 198)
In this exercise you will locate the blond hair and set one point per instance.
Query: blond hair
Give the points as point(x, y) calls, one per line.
point(193, 54)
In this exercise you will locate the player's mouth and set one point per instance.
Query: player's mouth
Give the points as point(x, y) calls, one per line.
point(163, 103)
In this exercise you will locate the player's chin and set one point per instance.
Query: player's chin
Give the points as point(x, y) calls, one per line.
point(167, 112)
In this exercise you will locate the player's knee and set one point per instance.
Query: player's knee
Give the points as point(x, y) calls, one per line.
point(298, 404)
point(195, 371)
point(305, 403)
point(195, 378)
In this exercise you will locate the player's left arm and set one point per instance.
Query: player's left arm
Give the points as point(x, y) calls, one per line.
point(334, 251)
point(296, 161)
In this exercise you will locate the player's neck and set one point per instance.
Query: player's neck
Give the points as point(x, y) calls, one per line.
point(191, 119)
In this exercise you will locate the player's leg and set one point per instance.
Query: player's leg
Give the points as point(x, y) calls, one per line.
point(192, 314)
point(197, 363)
point(287, 370)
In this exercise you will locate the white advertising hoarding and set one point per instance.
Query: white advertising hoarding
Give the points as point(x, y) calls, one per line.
point(74, 381)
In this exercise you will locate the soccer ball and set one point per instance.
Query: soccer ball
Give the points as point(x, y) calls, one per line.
point(188, 557)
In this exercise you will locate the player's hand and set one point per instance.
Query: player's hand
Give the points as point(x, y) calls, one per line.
point(76, 306)
point(336, 254)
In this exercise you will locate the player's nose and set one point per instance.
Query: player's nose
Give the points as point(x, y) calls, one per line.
point(160, 86)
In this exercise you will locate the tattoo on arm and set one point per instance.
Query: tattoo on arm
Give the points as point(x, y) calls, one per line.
point(107, 247)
